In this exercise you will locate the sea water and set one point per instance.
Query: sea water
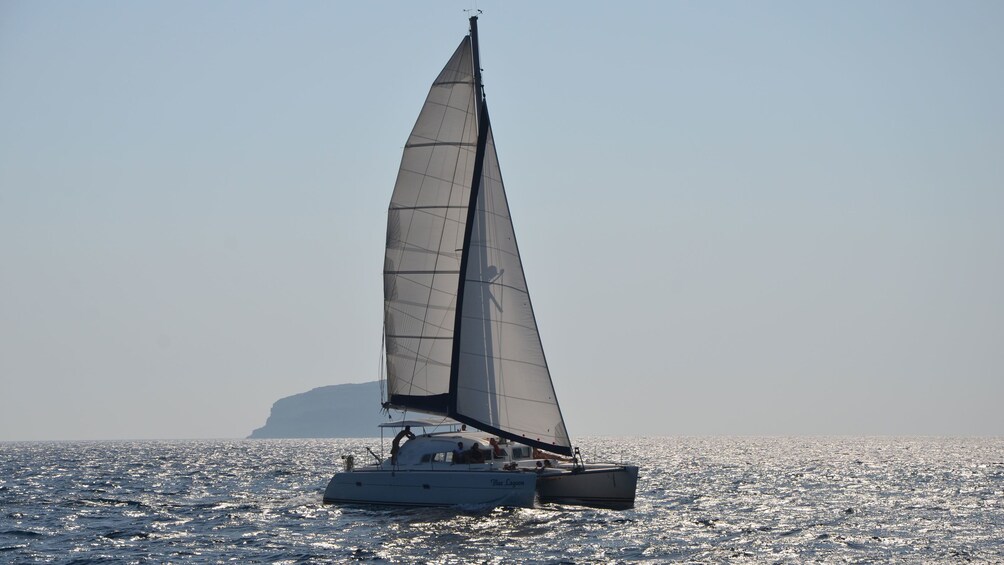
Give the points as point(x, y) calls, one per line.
point(770, 500)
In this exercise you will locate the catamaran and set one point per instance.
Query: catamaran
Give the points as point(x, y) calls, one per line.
point(460, 337)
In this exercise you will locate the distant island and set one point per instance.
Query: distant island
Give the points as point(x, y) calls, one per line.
point(347, 410)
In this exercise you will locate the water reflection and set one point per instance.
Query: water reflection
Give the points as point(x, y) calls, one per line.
point(699, 499)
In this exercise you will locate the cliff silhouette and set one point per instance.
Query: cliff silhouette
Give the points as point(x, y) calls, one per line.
point(346, 410)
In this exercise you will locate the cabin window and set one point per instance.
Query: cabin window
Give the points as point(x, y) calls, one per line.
point(443, 457)
point(521, 453)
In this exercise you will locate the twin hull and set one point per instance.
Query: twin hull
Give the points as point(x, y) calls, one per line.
point(432, 488)
point(597, 486)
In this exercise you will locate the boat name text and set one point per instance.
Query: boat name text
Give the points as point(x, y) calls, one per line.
point(508, 483)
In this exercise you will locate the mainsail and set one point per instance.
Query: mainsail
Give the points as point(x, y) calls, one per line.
point(450, 243)
point(425, 237)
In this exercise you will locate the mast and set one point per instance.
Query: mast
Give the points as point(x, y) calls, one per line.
point(479, 163)
point(479, 87)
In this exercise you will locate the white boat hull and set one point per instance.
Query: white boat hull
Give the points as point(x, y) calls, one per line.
point(600, 486)
point(432, 488)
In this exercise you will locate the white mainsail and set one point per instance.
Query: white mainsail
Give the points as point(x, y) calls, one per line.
point(425, 232)
point(485, 366)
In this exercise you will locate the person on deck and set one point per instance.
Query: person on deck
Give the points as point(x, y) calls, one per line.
point(475, 455)
point(458, 453)
point(395, 445)
point(496, 448)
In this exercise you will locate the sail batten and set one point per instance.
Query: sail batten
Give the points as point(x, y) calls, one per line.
point(440, 144)
point(433, 272)
point(443, 207)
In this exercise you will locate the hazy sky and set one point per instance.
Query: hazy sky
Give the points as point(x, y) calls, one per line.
point(735, 217)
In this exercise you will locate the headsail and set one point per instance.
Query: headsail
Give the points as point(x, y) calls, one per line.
point(502, 383)
point(483, 365)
